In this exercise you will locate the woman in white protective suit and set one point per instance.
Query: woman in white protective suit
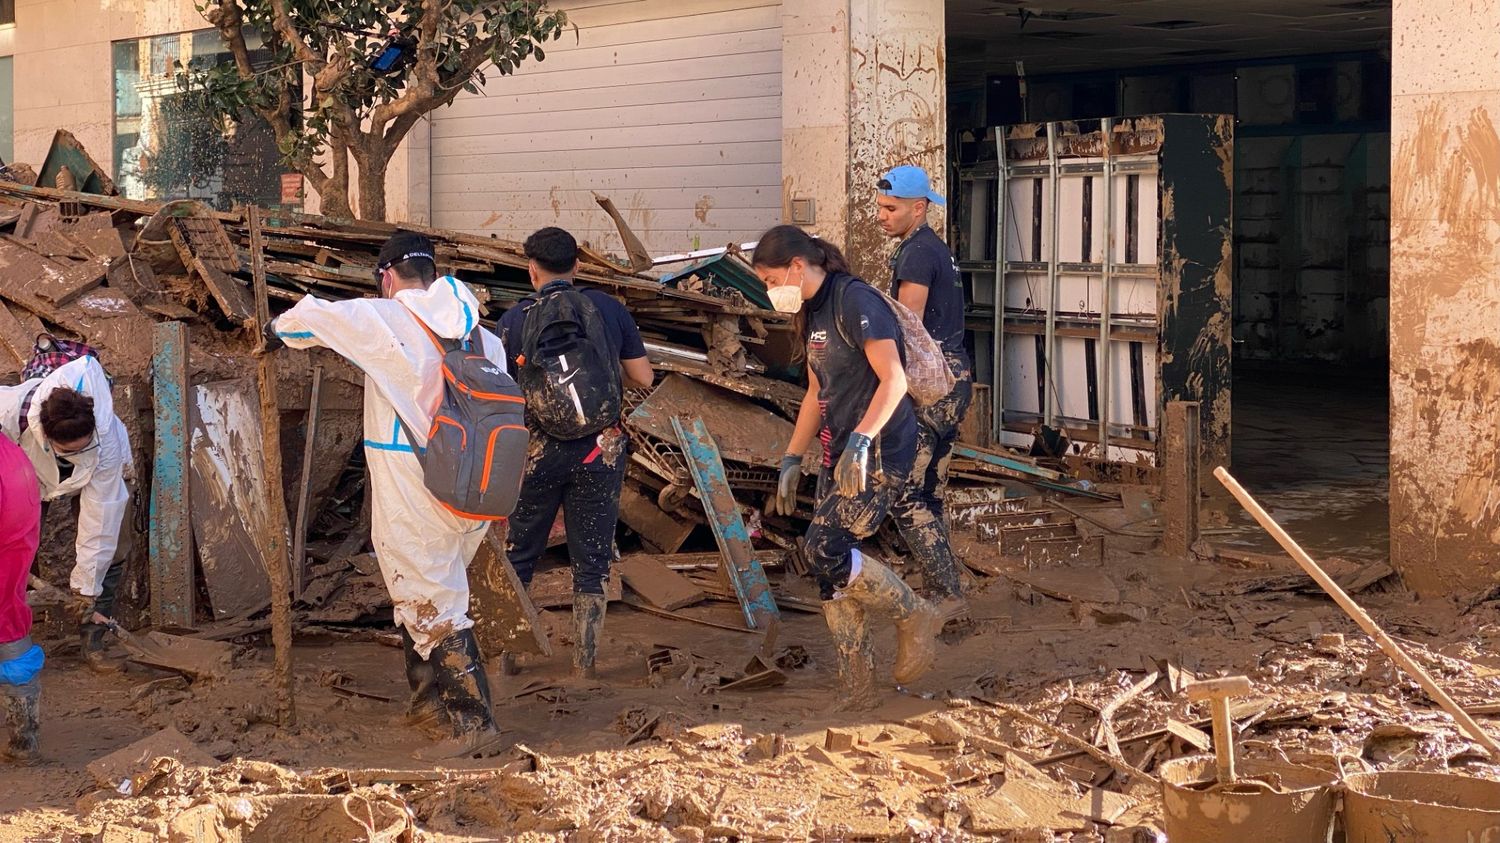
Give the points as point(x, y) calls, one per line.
point(423, 549)
point(66, 424)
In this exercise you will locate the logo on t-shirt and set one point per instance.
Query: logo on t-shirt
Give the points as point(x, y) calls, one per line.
point(818, 339)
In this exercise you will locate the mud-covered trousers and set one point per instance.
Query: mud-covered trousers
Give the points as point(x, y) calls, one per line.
point(584, 476)
point(918, 509)
point(840, 522)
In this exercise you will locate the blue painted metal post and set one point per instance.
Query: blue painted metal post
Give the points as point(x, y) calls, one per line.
point(172, 586)
point(744, 571)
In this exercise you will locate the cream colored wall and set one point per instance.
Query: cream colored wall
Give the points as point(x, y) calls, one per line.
point(1445, 296)
point(63, 80)
point(62, 67)
point(864, 86)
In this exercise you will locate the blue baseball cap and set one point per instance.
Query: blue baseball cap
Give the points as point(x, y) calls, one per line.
point(908, 182)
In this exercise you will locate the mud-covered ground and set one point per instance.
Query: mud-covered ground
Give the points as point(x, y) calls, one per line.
point(629, 758)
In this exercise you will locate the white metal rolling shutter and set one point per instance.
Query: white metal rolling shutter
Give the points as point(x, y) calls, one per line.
point(670, 107)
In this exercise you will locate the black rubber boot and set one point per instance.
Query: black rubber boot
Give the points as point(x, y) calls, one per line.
point(588, 622)
point(22, 711)
point(465, 692)
point(425, 711)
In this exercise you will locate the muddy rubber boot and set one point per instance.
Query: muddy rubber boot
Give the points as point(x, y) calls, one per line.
point(465, 692)
point(92, 647)
point(588, 622)
point(508, 665)
point(425, 711)
point(851, 640)
point(878, 589)
point(22, 711)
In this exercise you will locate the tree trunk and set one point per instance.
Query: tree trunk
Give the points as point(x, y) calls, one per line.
point(372, 186)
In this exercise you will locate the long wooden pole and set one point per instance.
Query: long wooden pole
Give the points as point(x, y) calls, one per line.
point(309, 441)
point(1358, 615)
point(274, 542)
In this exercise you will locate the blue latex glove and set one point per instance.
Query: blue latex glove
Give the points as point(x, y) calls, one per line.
point(853, 471)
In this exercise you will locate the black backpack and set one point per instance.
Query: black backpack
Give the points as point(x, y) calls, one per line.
point(568, 369)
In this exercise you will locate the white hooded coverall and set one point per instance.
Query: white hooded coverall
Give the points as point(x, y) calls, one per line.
point(423, 549)
point(99, 473)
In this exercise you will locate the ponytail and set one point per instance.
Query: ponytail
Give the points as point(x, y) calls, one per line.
point(784, 243)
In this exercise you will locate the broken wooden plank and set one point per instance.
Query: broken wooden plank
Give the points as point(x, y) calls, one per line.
point(15, 342)
point(74, 280)
point(663, 532)
point(304, 482)
point(653, 580)
point(172, 586)
point(1190, 735)
point(234, 300)
point(505, 619)
point(1013, 539)
point(230, 512)
point(137, 759)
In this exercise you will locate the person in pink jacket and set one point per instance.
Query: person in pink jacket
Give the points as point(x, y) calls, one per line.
point(20, 658)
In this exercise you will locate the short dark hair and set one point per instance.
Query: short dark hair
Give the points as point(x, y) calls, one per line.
point(411, 256)
point(67, 415)
point(553, 249)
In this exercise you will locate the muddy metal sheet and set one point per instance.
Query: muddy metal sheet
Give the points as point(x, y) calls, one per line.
point(229, 507)
point(740, 565)
point(743, 431)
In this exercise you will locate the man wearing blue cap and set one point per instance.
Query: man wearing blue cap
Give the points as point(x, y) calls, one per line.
point(925, 278)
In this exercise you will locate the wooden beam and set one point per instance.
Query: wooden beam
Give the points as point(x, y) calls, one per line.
point(1180, 487)
point(172, 586)
point(274, 540)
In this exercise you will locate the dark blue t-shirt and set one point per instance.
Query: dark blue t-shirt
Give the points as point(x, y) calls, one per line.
point(623, 333)
point(923, 258)
point(846, 382)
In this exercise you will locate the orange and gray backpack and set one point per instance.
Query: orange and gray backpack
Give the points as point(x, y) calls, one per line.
point(476, 448)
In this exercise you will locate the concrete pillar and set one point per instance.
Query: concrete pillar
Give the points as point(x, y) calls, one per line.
point(1445, 295)
point(863, 89)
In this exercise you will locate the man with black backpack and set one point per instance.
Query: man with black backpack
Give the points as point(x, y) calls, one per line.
point(407, 343)
point(573, 351)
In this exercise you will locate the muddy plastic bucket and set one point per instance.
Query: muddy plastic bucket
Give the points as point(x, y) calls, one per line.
point(1273, 801)
point(1401, 807)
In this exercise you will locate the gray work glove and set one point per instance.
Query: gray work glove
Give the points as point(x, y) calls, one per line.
point(853, 471)
point(786, 484)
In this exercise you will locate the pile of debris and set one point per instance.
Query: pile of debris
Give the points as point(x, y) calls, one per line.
point(111, 271)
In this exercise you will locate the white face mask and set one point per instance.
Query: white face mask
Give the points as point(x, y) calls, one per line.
point(786, 298)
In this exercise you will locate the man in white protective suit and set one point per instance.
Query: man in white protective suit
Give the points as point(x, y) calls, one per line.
point(423, 549)
point(65, 422)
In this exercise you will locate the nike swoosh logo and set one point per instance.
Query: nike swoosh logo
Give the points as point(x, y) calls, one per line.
point(564, 380)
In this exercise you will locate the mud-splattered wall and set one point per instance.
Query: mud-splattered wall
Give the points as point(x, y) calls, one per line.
point(865, 90)
point(1445, 295)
